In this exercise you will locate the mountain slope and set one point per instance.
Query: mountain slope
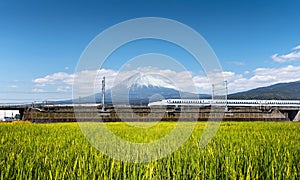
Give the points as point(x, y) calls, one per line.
point(282, 91)
point(139, 89)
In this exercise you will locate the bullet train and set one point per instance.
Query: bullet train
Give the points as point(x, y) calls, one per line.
point(229, 102)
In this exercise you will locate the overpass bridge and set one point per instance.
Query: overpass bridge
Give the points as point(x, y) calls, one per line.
point(20, 107)
point(65, 112)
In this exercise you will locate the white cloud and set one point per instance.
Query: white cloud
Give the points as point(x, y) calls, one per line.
point(286, 57)
point(38, 90)
point(265, 77)
point(261, 77)
point(297, 47)
point(90, 81)
point(292, 56)
point(13, 86)
point(63, 88)
point(55, 78)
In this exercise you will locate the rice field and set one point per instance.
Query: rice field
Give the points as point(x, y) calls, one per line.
point(240, 150)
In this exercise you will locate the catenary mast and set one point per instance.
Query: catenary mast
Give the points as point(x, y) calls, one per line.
point(103, 94)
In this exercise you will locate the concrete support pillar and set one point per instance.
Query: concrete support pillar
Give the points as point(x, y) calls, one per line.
point(297, 117)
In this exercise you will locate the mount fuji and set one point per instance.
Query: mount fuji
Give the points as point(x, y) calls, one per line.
point(140, 89)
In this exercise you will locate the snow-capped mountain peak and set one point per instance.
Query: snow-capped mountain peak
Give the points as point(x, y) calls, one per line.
point(140, 80)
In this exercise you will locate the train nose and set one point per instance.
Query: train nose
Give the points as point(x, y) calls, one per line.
point(158, 103)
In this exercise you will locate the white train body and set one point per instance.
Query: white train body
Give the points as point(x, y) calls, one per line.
point(229, 102)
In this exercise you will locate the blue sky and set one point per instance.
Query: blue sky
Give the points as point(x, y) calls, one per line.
point(41, 41)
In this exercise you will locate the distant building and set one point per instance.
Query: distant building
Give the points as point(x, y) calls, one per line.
point(9, 115)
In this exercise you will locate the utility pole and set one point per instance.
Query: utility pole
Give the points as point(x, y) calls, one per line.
point(213, 92)
point(226, 93)
point(103, 93)
point(103, 112)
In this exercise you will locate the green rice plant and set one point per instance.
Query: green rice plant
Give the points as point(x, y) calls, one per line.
point(240, 150)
